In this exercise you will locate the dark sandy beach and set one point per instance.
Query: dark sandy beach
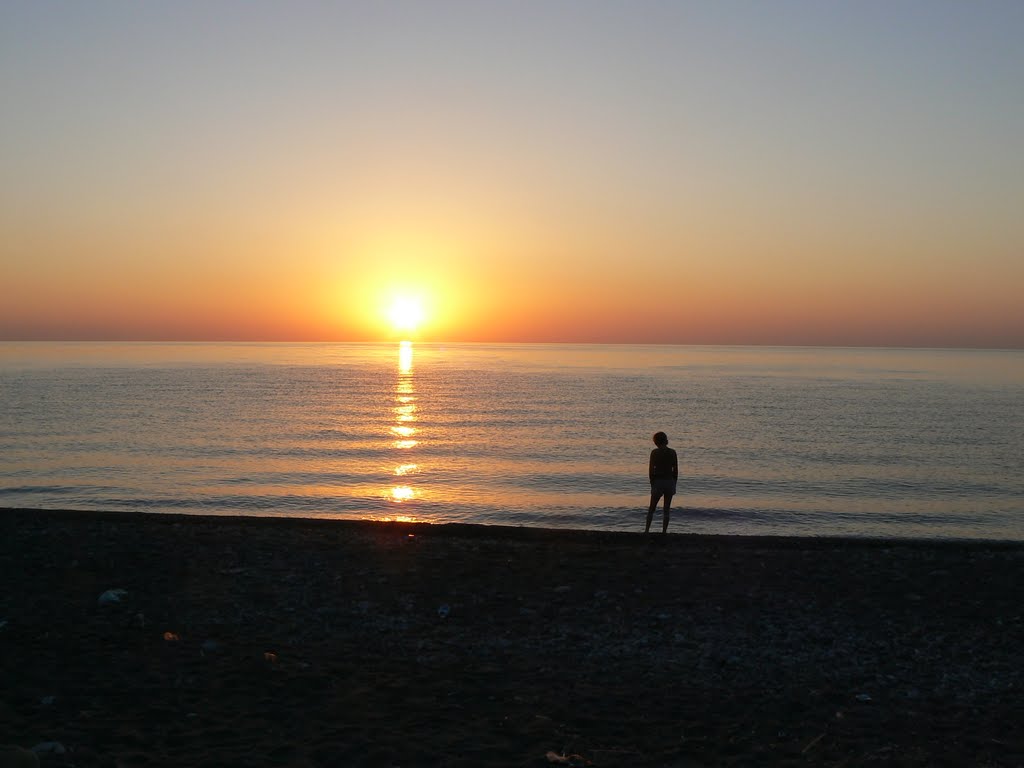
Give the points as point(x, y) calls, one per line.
point(259, 642)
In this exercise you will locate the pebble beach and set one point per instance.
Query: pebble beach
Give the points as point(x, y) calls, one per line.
point(161, 640)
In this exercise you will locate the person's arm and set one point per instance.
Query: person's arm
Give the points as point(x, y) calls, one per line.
point(675, 465)
point(650, 467)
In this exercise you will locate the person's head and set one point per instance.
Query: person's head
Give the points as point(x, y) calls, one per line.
point(660, 439)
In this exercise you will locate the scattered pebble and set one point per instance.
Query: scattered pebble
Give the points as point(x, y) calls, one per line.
point(576, 761)
point(112, 596)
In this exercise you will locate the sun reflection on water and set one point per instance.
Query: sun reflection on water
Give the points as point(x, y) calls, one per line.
point(400, 519)
point(405, 358)
point(405, 415)
point(402, 493)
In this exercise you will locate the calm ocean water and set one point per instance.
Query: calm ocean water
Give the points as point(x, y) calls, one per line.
point(799, 441)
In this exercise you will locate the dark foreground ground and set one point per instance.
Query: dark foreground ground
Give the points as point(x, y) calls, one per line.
point(248, 642)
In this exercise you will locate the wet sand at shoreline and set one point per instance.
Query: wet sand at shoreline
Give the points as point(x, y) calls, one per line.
point(273, 641)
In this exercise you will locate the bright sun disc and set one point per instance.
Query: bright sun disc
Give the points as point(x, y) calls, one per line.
point(405, 314)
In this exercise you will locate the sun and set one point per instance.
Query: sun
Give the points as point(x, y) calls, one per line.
point(405, 313)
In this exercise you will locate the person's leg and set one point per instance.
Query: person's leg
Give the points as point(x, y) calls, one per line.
point(655, 496)
point(664, 522)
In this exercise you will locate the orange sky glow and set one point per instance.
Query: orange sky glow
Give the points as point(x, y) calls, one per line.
point(518, 180)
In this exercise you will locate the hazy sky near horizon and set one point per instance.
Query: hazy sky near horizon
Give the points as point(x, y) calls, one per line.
point(681, 172)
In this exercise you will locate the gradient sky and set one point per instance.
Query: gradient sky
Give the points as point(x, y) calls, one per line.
point(715, 172)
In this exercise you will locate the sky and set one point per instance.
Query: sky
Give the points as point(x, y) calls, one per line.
point(806, 173)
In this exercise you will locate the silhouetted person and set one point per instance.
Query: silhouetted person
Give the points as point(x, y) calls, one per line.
point(663, 471)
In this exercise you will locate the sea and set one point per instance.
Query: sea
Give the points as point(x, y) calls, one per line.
point(794, 441)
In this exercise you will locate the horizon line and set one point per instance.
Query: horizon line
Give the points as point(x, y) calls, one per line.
point(552, 343)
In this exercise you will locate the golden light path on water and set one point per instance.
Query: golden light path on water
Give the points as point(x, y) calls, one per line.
point(404, 430)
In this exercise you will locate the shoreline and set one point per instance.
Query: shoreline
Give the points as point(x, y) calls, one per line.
point(524, 532)
point(317, 642)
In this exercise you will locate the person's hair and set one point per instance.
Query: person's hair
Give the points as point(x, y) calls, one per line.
point(660, 439)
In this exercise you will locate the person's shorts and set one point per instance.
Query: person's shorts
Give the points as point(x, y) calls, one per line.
point(663, 485)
